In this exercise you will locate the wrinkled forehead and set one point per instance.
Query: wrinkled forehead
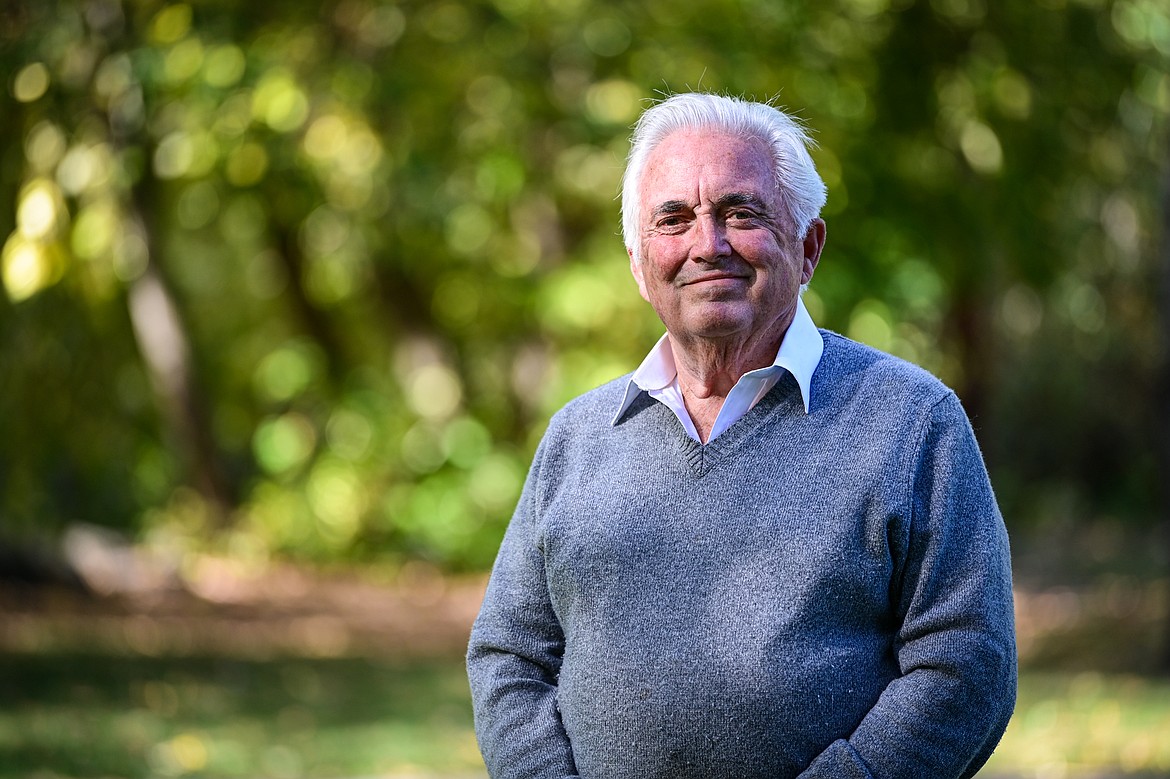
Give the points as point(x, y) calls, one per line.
point(693, 165)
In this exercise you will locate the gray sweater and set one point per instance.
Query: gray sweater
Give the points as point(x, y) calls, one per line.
point(821, 595)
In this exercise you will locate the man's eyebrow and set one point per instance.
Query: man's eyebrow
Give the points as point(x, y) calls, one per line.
point(669, 207)
point(732, 199)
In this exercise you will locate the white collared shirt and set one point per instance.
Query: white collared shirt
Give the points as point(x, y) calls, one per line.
point(799, 354)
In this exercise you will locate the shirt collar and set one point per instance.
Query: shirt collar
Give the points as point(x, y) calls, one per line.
point(799, 353)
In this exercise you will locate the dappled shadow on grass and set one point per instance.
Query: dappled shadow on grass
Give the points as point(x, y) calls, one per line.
point(89, 715)
point(78, 714)
point(1092, 602)
point(234, 673)
point(281, 673)
point(1086, 725)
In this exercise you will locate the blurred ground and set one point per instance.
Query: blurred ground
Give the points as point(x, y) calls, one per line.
point(1113, 623)
point(1086, 598)
point(1110, 625)
point(192, 647)
point(280, 611)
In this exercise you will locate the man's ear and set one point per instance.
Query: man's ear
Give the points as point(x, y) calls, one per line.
point(814, 242)
point(636, 269)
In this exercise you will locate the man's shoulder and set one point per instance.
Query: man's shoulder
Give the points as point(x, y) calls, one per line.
point(598, 405)
point(848, 364)
point(574, 430)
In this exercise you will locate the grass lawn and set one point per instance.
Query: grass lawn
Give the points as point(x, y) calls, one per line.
point(1086, 724)
point(98, 715)
point(83, 715)
point(279, 676)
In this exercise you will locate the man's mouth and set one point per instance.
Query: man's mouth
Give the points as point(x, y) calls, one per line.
point(711, 277)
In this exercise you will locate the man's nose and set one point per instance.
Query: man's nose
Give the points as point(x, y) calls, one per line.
point(710, 239)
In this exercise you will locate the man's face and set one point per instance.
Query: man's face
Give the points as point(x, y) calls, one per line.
point(718, 255)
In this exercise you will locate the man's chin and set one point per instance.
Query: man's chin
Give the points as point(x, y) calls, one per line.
point(720, 323)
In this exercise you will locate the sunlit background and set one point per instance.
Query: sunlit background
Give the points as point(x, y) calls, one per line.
point(290, 290)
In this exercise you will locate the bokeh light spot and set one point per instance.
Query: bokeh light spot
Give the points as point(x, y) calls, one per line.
point(283, 443)
point(190, 752)
point(94, 229)
point(981, 147)
point(285, 373)
point(45, 146)
point(1021, 310)
point(381, 26)
point(31, 82)
point(1013, 94)
point(224, 66)
point(84, 168)
point(174, 155)
point(468, 228)
point(183, 61)
point(495, 482)
point(434, 391)
point(338, 501)
point(27, 268)
point(246, 165)
point(171, 23)
point(325, 137)
point(870, 324)
point(279, 101)
point(613, 102)
point(38, 214)
point(466, 442)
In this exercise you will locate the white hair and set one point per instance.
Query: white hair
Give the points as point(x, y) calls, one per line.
point(802, 192)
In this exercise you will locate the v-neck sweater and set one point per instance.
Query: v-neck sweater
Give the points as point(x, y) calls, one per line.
point(809, 595)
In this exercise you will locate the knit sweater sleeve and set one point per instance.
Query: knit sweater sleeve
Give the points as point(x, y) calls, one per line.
point(955, 646)
point(514, 657)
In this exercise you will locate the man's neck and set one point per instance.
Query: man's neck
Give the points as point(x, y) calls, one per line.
point(709, 368)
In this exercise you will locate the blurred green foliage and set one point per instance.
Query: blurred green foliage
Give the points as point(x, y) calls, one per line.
point(306, 279)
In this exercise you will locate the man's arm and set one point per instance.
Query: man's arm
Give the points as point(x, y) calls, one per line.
point(956, 644)
point(515, 656)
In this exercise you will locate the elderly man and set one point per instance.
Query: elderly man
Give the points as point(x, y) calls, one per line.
point(770, 551)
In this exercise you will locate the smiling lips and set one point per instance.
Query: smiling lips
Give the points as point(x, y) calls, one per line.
point(708, 277)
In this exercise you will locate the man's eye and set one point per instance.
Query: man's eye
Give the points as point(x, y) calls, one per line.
point(671, 221)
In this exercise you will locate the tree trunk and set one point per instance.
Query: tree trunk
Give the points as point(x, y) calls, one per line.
point(1163, 405)
point(159, 328)
point(165, 348)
